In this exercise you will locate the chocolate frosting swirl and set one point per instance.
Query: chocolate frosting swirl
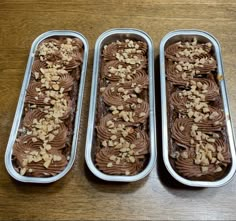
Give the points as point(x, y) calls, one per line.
point(25, 147)
point(36, 68)
point(33, 96)
point(60, 138)
point(175, 76)
point(55, 167)
point(183, 137)
point(213, 124)
point(113, 97)
point(188, 168)
point(212, 91)
point(182, 52)
point(183, 77)
point(65, 52)
point(179, 102)
point(103, 158)
point(116, 71)
point(115, 64)
point(32, 115)
point(141, 143)
point(66, 82)
point(212, 120)
point(110, 51)
point(122, 94)
point(104, 133)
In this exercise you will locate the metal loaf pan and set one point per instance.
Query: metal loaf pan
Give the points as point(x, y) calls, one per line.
point(106, 38)
point(19, 110)
point(202, 36)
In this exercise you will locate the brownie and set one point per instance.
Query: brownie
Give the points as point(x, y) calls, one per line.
point(198, 144)
point(122, 134)
point(43, 144)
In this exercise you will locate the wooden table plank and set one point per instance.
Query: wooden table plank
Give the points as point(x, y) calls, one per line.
point(80, 195)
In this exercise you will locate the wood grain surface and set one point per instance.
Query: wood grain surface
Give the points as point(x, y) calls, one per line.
point(79, 195)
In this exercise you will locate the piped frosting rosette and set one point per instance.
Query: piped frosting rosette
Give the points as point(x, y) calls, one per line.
point(43, 72)
point(35, 94)
point(188, 51)
point(108, 162)
point(65, 81)
point(24, 145)
point(204, 151)
point(120, 94)
point(140, 141)
point(48, 50)
point(179, 102)
point(33, 116)
point(60, 138)
point(212, 121)
point(178, 77)
point(65, 52)
point(207, 87)
point(206, 116)
point(205, 159)
point(108, 126)
point(180, 131)
point(45, 129)
point(182, 72)
point(116, 71)
point(123, 100)
point(54, 78)
point(31, 157)
point(36, 68)
point(128, 47)
point(185, 131)
point(50, 102)
point(187, 168)
point(114, 129)
point(120, 144)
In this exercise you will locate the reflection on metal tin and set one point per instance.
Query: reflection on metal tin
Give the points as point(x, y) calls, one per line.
point(104, 39)
point(20, 109)
point(202, 37)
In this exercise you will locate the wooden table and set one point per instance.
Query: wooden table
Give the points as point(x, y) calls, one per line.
point(79, 195)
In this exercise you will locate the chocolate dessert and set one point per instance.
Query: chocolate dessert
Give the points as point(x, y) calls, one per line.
point(198, 144)
point(122, 140)
point(44, 139)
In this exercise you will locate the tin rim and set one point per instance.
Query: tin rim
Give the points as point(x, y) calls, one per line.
point(91, 119)
point(19, 109)
point(223, 88)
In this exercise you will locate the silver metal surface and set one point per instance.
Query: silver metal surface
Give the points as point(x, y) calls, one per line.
point(19, 110)
point(202, 36)
point(106, 38)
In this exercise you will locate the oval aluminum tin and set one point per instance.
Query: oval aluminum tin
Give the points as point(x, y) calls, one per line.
point(19, 110)
point(202, 36)
point(106, 38)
